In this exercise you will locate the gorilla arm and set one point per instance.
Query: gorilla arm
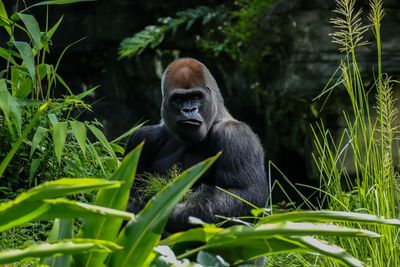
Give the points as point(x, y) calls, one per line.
point(239, 170)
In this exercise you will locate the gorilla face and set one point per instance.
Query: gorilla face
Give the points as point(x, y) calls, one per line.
point(188, 113)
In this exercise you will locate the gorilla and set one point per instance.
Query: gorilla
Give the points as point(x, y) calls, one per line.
point(196, 125)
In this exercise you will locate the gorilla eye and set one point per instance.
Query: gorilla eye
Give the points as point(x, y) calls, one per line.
point(176, 100)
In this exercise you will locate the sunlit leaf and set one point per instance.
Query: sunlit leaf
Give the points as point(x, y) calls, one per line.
point(108, 228)
point(67, 247)
point(141, 235)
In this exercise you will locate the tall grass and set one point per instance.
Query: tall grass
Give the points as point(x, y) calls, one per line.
point(366, 144)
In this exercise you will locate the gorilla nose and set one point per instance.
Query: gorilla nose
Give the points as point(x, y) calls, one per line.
point(190, 110)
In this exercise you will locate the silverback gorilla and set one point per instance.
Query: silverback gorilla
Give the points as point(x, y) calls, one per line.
point(196, 125)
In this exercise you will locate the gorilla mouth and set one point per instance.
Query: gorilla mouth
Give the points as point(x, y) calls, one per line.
point(190, 122)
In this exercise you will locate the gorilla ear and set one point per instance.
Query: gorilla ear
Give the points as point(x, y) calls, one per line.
point(208, 89)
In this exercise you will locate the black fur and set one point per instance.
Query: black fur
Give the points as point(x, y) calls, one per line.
point(176, 140)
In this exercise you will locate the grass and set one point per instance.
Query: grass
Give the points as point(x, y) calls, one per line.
point(154, 183)
point(357, 166)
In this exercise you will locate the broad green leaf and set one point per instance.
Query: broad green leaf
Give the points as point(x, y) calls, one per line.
point(79, 131)
point(15, 113)
point(239, 236)
point(4, 98)
point(66, 247)
point(328, 216)
point(66, 186)
point(53, 118)
point(37, 138)
point(32, 26)
point(207, 259)
point(330, 251)
point(63, 208)
point(203, 234)
point(59, 136)
point(29, 206)
point(21, 83)
point(62, 229)
point(25, 51)
point(3, 14)
point(16, 213)
point(103, 140)
point(108, 228)
point(8, 55)
point(24, 134)
point(141, 235)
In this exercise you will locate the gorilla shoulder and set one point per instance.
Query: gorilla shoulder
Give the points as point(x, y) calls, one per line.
point(235, 136)
point(149, 134)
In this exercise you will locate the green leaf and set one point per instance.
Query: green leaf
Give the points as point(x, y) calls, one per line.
point(32, 26)
point(32, 170)
point(330, 251)
point(59, 136)
point(141, 235)
point(8, 55)
point(62, 229)
point(3, 14)
point(4, 98)
point(21, 83)
point(58, 2)
point(328, 216)
point(37, 138)
point(66, 186)
point(240, 238)
point(67, 247)
point(103, 140)
point(24, 134)
point(207, 259)
point(86, 93)
point(128, 133)
point(30, 206)
point(15, 213)
point(79, 131)
point(53, 29)
point(53, 118)
point(27, 56)
point(108, 228)
point(63, 208)
point(9, 106)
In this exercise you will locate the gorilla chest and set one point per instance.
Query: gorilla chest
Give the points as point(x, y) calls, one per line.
point(173, 153)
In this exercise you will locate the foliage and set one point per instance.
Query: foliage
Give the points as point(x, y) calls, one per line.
point(43, 131)
point(153, 35)
point(54, 142)
point(231, 29)
point(366, 145)
point(101, 235)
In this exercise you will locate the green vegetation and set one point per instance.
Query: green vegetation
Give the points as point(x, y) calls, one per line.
point(46, 220)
